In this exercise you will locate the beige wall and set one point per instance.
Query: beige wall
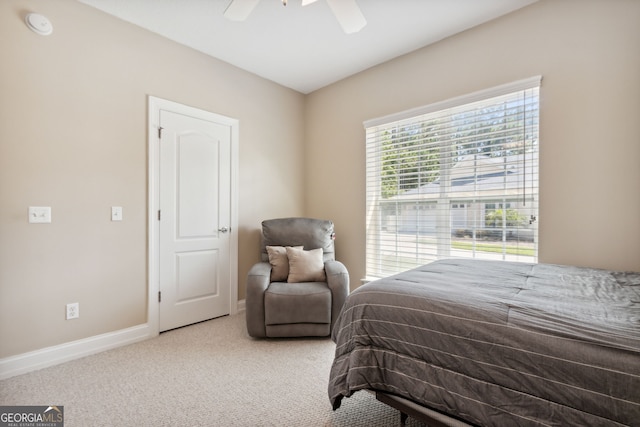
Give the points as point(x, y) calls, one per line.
point(73, 114)
point(588, 53)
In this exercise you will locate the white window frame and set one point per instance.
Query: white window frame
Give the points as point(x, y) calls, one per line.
point(378, 248)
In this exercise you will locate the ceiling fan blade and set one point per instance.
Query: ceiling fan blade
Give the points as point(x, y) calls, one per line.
point(239, 10)
point(308, 2)
point(348, 15)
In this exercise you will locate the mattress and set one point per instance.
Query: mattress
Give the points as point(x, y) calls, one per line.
point(497, 343)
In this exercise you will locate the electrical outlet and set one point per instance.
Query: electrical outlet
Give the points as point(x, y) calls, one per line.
point(73, 310)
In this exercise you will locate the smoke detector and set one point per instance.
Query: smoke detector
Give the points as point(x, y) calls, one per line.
point(39, 24)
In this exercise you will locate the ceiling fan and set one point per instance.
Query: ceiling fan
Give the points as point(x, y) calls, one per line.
point(346, 12)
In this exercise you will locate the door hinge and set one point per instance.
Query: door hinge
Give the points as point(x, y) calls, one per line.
point(160, 131)
point(158, 214)
point(159, 296)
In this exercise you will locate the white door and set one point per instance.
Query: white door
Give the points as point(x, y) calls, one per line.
point(194, 219)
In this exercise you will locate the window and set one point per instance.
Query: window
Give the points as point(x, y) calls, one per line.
point(454, 179)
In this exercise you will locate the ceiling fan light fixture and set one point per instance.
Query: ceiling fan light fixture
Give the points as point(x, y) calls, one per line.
point(346, 12)
point(348, 15)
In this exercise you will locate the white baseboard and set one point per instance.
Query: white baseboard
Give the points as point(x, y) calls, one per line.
point(50, 356)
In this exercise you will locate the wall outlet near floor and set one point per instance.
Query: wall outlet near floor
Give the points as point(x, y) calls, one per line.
point(73, 310)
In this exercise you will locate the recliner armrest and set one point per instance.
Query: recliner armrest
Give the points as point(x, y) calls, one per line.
point(258, 280)
point(338, 282)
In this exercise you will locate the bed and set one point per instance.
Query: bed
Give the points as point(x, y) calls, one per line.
point(495, 343)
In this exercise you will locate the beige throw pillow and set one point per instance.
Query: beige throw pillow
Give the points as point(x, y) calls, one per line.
point(305, 266)
point(279, 263)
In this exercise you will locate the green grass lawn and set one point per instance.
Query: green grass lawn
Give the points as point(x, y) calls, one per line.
point(496, 247)
point(493, 247)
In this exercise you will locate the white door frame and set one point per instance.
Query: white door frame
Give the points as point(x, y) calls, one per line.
point(154, 106)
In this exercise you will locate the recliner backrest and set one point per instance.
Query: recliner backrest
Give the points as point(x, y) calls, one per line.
point(310, 233)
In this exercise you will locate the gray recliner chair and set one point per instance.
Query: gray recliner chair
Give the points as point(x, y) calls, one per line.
point(289, 297)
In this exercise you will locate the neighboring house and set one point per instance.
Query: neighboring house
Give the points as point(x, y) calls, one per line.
point(509, 192)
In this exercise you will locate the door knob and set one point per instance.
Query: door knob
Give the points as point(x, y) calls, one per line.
point(223, 229)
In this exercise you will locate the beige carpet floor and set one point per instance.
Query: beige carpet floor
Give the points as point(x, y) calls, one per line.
point(208, 374)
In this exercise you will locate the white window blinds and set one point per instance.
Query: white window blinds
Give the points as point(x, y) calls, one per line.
point(454, 179)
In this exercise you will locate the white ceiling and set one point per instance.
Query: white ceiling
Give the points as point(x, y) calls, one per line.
point(304, 48)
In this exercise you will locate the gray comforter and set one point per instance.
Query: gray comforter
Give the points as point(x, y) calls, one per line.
point(497, 343)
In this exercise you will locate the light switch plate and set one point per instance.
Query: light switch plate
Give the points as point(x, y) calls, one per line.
point(39, 214)
point(116, 213)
